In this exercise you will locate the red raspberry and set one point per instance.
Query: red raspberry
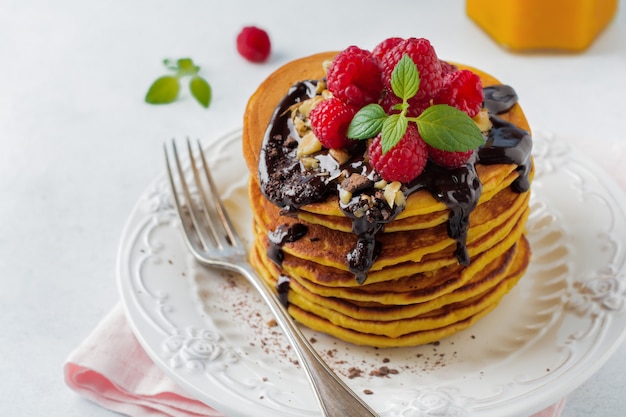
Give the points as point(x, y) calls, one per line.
point(382, 48)
point(405, 161)
point(354, 77)
point(463, 90)
point(449, 159)
point(330, 120)
point(447, 67)
point(254, 44)
point(423, 54)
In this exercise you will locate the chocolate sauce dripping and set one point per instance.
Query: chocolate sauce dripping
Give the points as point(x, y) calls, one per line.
point(508, 144)
point(282, 289)
point(283, 234)
point(459, 189)
point(289, 186)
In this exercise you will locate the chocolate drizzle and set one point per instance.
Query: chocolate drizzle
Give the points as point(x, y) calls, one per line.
point(499, 98)
point(282, 235)
point(280, 173)
point(286, 183)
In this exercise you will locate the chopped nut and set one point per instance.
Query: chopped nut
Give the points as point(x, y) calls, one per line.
point(321, 85)
point(365, 197)
point(340, 155)
point(309, 144)
point(482, 120)
point(301, 126)
point(344, 196)
point(356, 182)
point(326, 65)
point(391, 190)
point(307, 105)
point(309, 162)
point(360, 212)
point(400, 199)
point(379, 185)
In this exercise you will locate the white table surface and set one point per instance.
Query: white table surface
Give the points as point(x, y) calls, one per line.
point(79, 145)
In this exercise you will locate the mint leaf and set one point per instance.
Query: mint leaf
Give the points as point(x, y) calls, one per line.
point(187, 67)
point(171, 65)
point(201, 90)
point(367, 123)
point(394, 127)
point(405, 78)
point(449, 129)
point(163, 90)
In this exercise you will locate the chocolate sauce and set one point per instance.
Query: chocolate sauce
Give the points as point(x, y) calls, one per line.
point(499, 98)
point(288, 185)
point(282, 178)
point(459, 189)
point(508, 144)
point(282, 289)
point(282, 235)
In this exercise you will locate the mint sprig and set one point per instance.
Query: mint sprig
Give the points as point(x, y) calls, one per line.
point(441, 126)
point(165, 89)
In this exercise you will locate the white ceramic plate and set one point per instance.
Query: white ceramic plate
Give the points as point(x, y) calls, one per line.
point(210, 332)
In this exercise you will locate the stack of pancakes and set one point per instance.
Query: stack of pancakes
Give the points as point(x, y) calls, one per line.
point(416, 292)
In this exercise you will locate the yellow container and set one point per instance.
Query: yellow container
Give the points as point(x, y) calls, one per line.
point(521, 25)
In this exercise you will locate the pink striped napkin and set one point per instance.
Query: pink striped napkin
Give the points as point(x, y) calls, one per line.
point(111, 369)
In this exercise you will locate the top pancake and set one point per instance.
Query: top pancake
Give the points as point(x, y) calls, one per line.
point(271, 91)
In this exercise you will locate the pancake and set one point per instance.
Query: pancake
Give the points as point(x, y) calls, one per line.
point(409, 265)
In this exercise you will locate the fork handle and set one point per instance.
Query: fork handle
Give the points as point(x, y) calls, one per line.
point(333, 395)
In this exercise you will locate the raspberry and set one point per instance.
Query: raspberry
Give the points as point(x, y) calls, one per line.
point(449, 159)
point(254, 44)
point(423, 54)
point(330, 120)
point(405, 161)
point(354, 77)
point(463, 90)
point(382, 48)
point(447, 67)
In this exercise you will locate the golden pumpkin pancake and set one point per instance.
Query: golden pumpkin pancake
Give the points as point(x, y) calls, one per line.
point(328, 247)
point(368, 258)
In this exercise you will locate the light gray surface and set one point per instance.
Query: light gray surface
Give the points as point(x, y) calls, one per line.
point(78, 144)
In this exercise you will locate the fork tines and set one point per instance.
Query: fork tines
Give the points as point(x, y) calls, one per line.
point(202, 213)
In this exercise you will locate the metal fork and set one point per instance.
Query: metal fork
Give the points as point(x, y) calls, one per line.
point(210, 236)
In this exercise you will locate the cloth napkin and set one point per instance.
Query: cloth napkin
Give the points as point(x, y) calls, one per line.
point(111, 369)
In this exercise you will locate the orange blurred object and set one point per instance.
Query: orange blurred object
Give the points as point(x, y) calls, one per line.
point(525, 25)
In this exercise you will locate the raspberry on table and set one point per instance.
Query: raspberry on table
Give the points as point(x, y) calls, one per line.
point(254, 44)
point(423, 54)
point(330, 120)
point(462, 89)
point(405, 161)
point(448, 159)
point(354, 77)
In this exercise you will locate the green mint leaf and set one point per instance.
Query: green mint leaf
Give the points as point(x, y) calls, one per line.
point(367, 123)
point(201, 90)
point(187, 67)
point(449, 129)
point(163, 90)
point(394, 127)
point(405, 78)
point(171, 65)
